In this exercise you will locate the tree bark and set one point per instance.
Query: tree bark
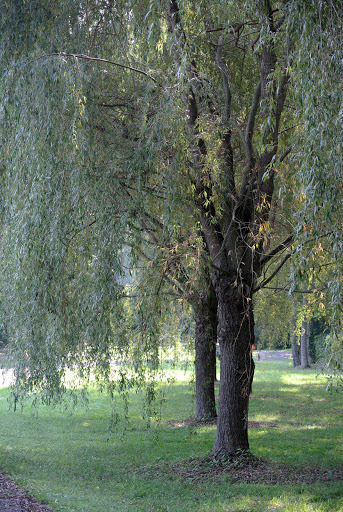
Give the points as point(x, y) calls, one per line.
point(308, 334)
point(205, 308)
point(236, 336)
point(295, 345)
point(295, 351)
point(304, 339)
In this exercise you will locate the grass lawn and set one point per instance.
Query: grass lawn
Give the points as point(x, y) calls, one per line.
point(71, 462)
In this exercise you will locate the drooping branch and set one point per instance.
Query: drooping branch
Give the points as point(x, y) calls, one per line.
point(83, 228)
point(95, 59)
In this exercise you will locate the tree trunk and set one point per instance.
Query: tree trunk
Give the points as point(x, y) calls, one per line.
point(295, 345)
point(236, 336)
point(308, 334)
point(205, 308)
point(295, 351)
point(304, 339)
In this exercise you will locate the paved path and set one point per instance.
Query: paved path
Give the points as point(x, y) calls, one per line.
point(273, 355)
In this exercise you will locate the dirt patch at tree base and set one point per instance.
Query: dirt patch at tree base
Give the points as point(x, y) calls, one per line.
point(13, 499)
point(244, 469)
point(251, 470)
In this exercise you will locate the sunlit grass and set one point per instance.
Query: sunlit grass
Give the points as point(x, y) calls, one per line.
point(72, 460)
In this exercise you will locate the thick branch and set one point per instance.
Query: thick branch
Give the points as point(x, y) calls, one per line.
point(273, 274)
point(280, 100)
point(173, 14)
point(114, 105)
point(285, 153)
point(192, 115)
point(227, 151)
point(213, 242)
point(227, 91)
point(272, 137)
point(251, 119)
point(249, 152)
point(284, 245)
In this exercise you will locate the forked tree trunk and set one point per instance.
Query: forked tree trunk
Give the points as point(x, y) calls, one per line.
point(205, 308)
point(236, 335)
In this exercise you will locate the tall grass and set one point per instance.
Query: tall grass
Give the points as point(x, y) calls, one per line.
point(71, 459)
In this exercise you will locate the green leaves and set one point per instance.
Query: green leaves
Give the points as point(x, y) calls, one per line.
point(97, 158)
point(316, 29)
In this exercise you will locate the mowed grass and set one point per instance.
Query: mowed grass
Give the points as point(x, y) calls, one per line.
point(72, 462)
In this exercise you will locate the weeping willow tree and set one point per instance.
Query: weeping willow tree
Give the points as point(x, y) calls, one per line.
point(225, 129)
point(77, 194)
point(228, 166)
point(65, 216)
point(168, 127)
point(317, 28)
